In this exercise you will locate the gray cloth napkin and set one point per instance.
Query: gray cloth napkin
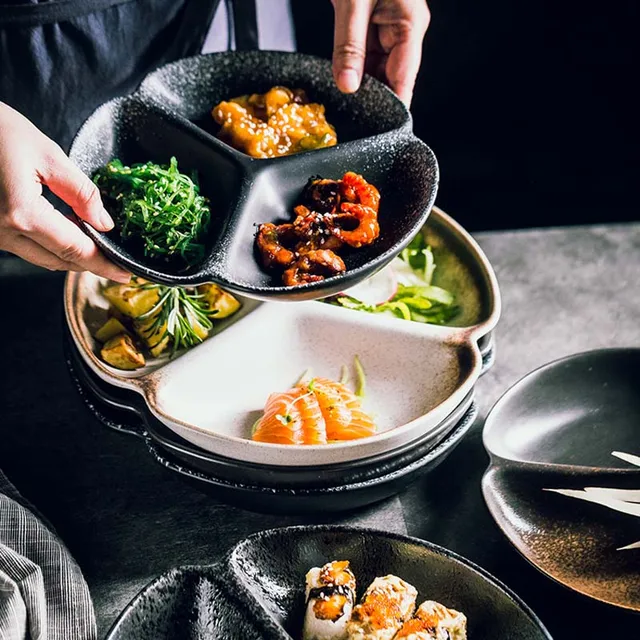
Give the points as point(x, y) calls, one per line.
point(43, 595)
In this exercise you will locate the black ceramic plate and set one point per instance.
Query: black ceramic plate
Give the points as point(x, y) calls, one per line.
point(556, 429)
point(257, 591)
point(270, 490)
point(170, 115)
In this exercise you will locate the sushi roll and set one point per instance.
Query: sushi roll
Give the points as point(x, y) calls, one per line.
point(386, 605)
point(433, 621)
point(330, 596)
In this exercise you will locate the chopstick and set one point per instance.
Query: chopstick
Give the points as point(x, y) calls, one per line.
point(627, 457)
point(617, 505)
point(622, 500)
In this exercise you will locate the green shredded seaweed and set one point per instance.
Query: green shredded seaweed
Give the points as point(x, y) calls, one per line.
point(157, 205)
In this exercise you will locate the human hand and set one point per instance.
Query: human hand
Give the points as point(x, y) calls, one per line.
point(30, 226)
point(383, 38)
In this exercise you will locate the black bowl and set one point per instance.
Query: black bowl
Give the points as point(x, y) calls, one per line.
point(257, 591)
point(167, 117)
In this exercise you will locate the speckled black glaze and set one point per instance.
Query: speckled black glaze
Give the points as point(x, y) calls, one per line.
point(339, 488)
point(556, 428)
point(192, 602)
point(169, 116)
point(265, 575)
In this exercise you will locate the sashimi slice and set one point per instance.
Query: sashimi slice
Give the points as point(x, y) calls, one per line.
point(336, 414)
point(291, 417)
point(360, 425)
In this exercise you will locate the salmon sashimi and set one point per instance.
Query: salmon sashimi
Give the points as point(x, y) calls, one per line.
point(291, 417)
point(342, 410)
point(336, 414)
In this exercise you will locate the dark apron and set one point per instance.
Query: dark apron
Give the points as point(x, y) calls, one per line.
point(60, 59)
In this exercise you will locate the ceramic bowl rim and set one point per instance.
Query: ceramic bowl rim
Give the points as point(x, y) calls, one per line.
point(493, 416)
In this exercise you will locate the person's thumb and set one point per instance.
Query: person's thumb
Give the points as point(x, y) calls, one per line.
point(72, 186)
point(350, 42)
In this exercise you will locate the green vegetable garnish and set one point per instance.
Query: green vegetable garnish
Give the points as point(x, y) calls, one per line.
point(180, 314)
point(361, 378)
point(419, 255)
point(158, 205)
point(417, 300)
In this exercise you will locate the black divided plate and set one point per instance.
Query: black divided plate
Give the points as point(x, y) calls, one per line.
point(257, 590)
point(170, 115)
point(557, 429)
point(270, 489)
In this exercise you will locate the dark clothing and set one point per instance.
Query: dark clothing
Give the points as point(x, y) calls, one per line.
point(531, 112)
point(61, 59)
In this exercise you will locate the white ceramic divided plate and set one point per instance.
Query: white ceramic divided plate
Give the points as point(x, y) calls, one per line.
point(212, 395)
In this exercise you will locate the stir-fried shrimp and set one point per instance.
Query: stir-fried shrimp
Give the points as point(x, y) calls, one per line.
point(331, 214)
point(357, 225)
point(271, 240)
point(355, 189)
point(313, 266)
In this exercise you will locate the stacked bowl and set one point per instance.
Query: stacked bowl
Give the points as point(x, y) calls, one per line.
point(195, 411)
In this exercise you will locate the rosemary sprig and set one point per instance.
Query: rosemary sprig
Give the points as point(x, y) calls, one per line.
point(177, 314)
point(159, 205)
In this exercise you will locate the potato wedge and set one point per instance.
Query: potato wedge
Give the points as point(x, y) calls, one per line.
point(132, 301)
point(219, 303)
point(160, 348)
point(121, 353)
point(112, 327)
point(145, 330)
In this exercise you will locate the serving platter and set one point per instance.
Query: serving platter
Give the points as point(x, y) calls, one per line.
point(357, 488)
point(257, 590)
point(170, 116)
point(414, 382)
point(557, 429)
point(127, 412)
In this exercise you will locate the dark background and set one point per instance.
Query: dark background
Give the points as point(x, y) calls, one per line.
point(530, 107)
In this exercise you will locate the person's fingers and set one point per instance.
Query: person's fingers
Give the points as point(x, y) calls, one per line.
point(350, 40)
point(401, 38)
point(70, 184)
point(51, 230)
point(402, 68)
point(32, 252)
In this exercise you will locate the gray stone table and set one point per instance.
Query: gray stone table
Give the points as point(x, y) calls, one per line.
point(126, 519)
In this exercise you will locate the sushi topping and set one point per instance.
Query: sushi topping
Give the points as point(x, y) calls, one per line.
point(379, 609)
point(331, 600)
point(338, 574)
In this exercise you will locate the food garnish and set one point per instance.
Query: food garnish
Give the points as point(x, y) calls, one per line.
point(277, 123)
point(158, 319)
point(315, 411)
point(157, 206)
point(621, 500)
point(331, 215)
point(404, 289)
